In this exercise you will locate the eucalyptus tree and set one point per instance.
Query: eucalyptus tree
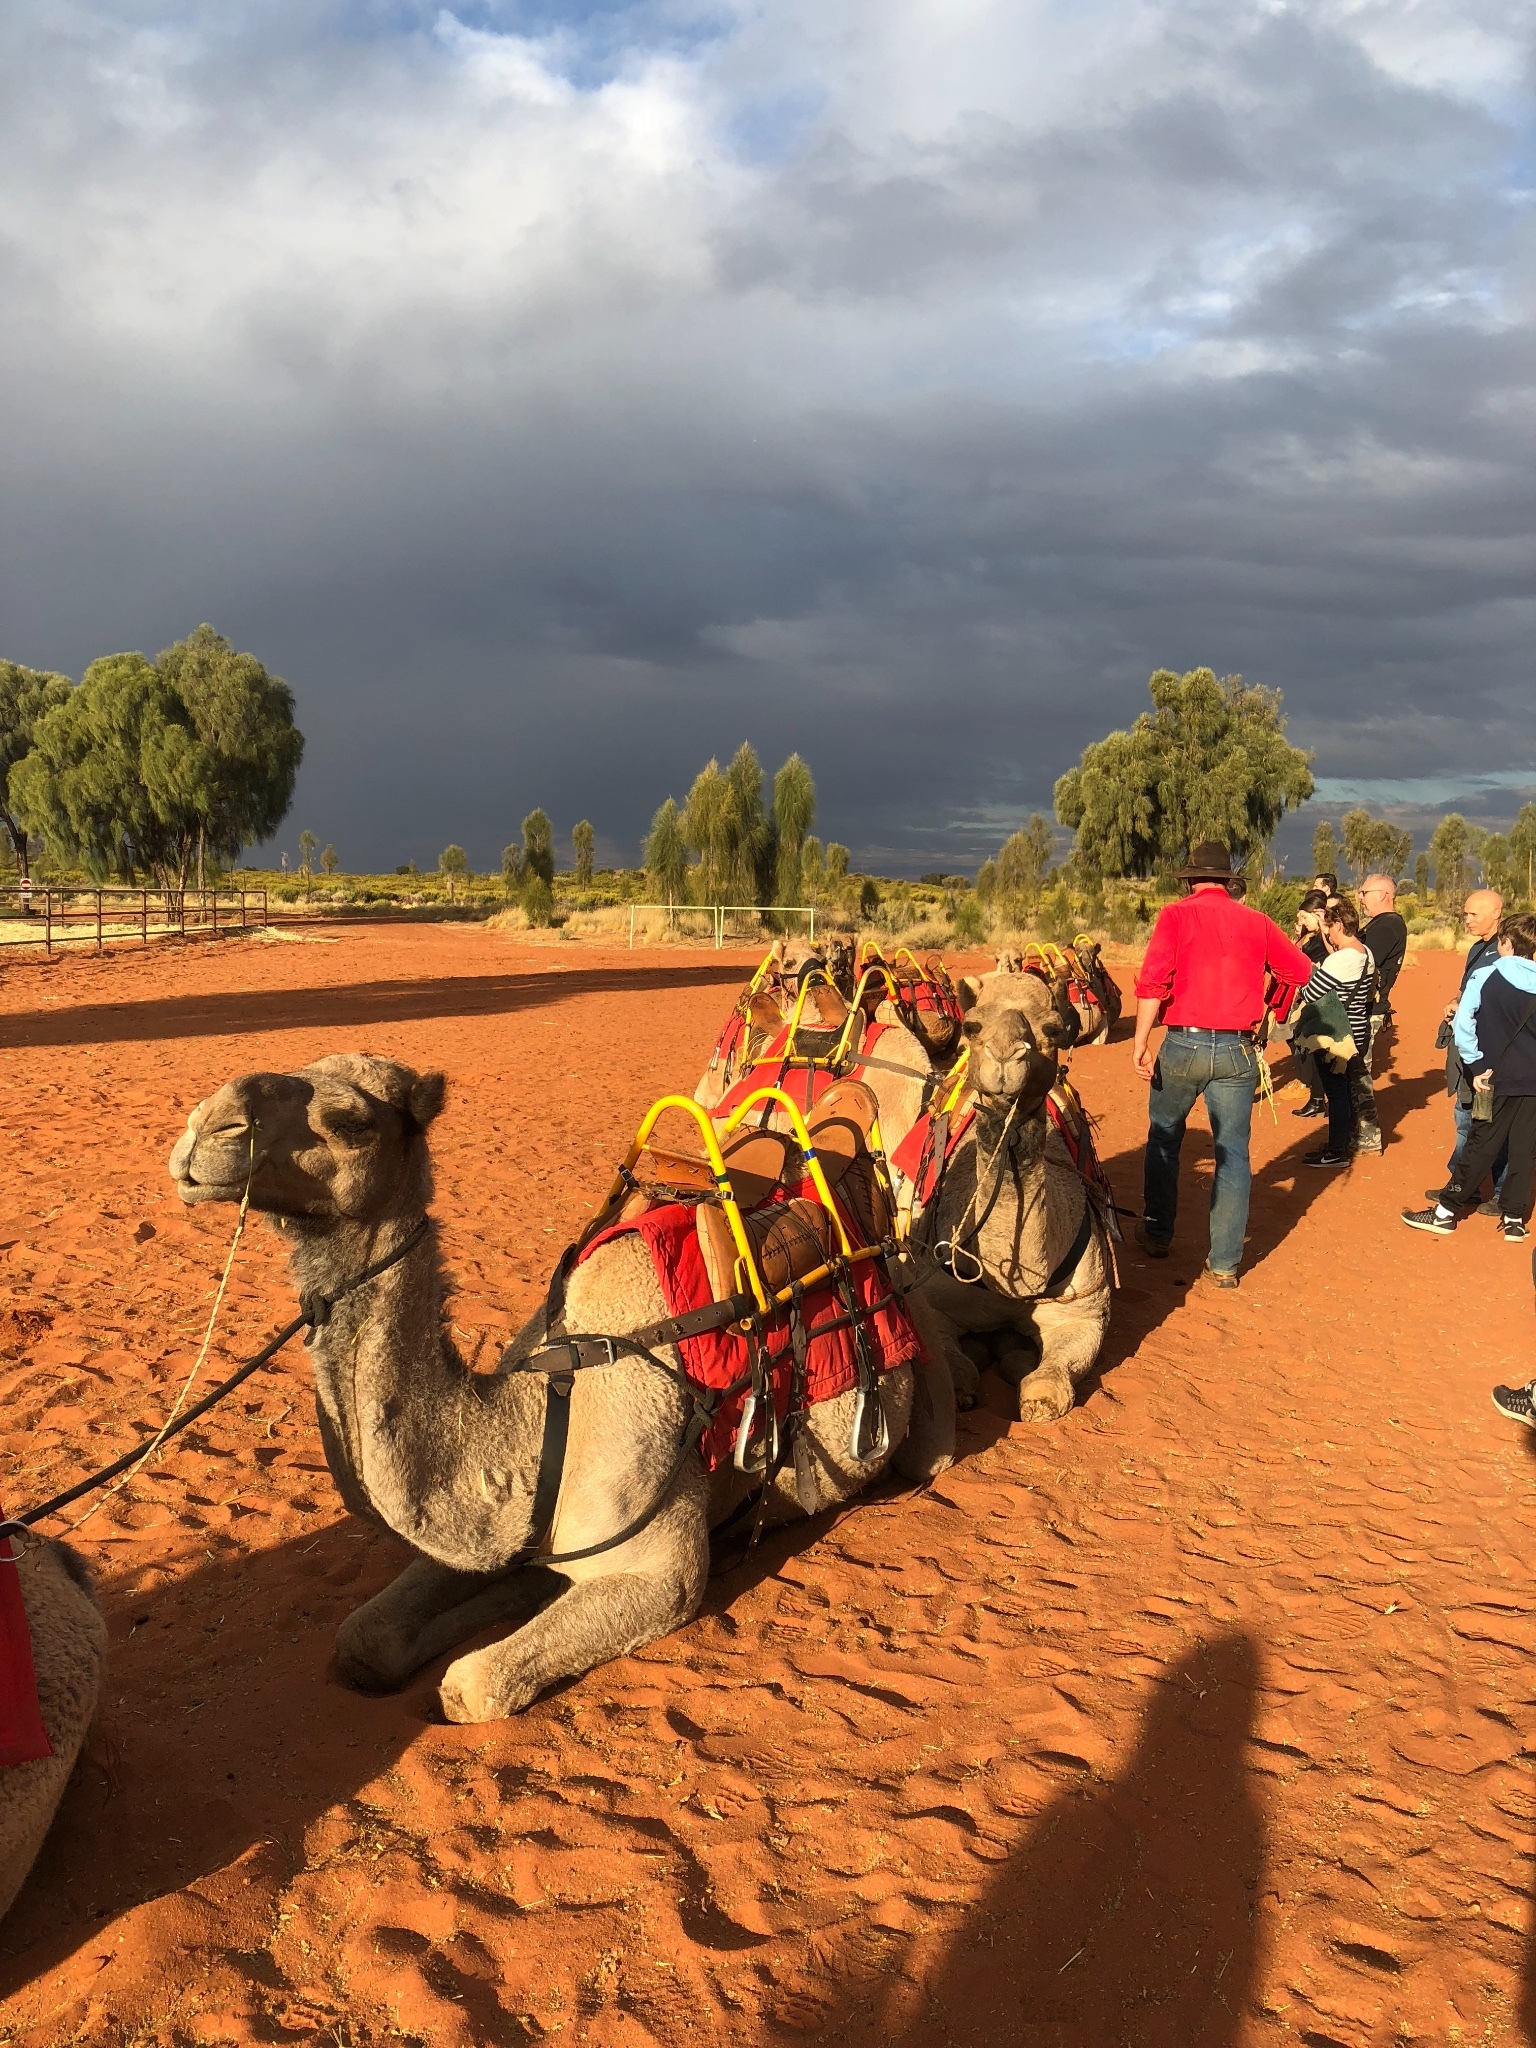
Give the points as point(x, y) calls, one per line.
point(794, 813)
point(26, 695)
point(665, 855)
point(583, 846)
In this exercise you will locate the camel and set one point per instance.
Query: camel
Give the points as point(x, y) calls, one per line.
point(336, 1155)
point(69, 1654)
point(1016, 1025)
point(1009, 1215)
point(1099, 1000)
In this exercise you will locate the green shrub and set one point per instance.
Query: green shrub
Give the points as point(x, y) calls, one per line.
point(968, 922)
point(538, 902)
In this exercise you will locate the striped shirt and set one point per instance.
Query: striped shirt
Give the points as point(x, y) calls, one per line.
point(1349, 974)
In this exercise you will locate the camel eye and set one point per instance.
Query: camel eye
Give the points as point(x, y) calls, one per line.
point(352, 1126)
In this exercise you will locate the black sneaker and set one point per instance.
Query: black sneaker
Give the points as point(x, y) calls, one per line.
point(1326, 1158)
point(1154, 1247)
point(1312, 1108)
point(1515, 1231)
point(1516, 1403)
point(1430, 1220)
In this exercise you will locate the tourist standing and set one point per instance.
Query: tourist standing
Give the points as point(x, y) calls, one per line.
point(1347, 977)
point(1481, 916)
point(1204, 977)
point(1385, 935)
point(1495, 1031)
point(1310, 940)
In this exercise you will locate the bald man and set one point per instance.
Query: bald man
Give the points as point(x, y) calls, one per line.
point(1385, 936)
point(1480, 918)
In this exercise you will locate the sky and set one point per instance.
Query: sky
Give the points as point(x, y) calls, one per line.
point(558, 394)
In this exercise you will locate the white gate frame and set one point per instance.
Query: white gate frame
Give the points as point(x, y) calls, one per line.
point(717, 912)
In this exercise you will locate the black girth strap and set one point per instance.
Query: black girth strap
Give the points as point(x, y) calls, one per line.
point(557, 1430)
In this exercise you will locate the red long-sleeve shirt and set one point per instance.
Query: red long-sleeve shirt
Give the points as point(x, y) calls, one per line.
point(1208, 959)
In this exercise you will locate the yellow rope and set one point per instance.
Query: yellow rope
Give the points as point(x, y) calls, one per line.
point(197, 1364)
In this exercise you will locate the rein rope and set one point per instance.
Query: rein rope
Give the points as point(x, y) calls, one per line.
point(314, 1313)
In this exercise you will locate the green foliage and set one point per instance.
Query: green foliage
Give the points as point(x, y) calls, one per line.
point(144, 765)
point(750, 869)
point(1056, 919)
point(452, 865)
point(666, 855)
point(539, 846)
point(813, 871)
point(1522, 853)
point(869, 897)
point(1498, 865)
point(1281, 900)
point(26, 695)
point(1372, 846)
point(1421, 877)
point(513, 873)
point(1022, 866)
point(1450, 848)
point(1326, 858)
point(307, 845)
point(330, 860)
point(709, 827)
point(794, 813)
point(538, 901)
point(583, 844)
point(968, 921)
point(837, 862)
point(986, 881)
point(1210, 761)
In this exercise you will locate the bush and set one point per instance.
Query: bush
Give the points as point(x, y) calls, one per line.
point(1281, 901)
point(968, 922)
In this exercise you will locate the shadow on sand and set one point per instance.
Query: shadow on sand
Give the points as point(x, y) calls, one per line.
point(354, 1004)
point(1128, 1914)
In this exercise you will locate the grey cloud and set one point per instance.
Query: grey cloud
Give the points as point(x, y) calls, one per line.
point(546, 455)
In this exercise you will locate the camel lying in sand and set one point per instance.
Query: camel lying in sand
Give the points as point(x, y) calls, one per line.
point(1040, 1321)
point(69, 1653)
point(1010, 1254)
point(448, 1459)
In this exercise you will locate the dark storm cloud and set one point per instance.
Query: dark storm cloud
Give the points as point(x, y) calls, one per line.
point(548, 439)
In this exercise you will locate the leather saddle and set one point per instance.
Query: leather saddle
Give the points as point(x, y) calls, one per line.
point(788, 1239)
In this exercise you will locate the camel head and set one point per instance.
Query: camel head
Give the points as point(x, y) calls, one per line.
point(339, 1139)
point(1014, 1031)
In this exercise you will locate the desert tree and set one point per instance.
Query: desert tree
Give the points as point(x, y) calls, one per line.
point(1022, 865)
point(330, 861)
point(837, 862)
point(26, 695)
point(986, 882)
point(813, 869)
point(538, 901)
point(1498, 865)
point(710, 829)
point(1326, 858)
point(794, 813)
point(512, 870)
point(1374, 846)
point(307, 846)
point(539, 847)
point(665, 855)
point(583, 845)
point(1522, 852)
point(1209, 761)
point(750, 869)
point(452, 863)
point(1450, 848)
point(1421, 877)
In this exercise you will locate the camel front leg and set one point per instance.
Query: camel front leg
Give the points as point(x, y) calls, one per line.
point(1070, 1335)
point(429, 1608)
point(593, 1621)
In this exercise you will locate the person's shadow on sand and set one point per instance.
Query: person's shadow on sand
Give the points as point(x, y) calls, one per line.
point(1128, 1915)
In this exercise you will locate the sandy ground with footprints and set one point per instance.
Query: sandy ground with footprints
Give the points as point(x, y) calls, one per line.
point(1200, 1720)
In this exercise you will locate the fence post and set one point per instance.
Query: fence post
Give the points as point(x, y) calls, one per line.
point(48, 919)
point(144, 915)
point(215, 913)
point(98, 920)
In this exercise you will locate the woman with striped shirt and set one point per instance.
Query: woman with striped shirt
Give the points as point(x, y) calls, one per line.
point(1349, 975)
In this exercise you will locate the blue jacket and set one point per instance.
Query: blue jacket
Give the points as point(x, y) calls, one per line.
point(1495, 1025)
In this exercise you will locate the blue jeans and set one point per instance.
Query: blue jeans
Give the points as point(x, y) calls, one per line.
point(1463, 1114)
point(1223, 1067)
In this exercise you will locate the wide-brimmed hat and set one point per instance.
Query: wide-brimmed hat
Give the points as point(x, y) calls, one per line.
point(1209, 862)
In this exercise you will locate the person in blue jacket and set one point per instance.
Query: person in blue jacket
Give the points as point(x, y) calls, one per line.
point(1495, 1033)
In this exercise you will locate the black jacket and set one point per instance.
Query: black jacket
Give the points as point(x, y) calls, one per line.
point(1387, 938)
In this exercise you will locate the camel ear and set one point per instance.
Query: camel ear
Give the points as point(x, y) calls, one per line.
point(426, 1098)
point(969, 992)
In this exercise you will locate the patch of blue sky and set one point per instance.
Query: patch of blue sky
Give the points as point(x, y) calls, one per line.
point(589, 42)
point(771, 128)
point(1419, 789)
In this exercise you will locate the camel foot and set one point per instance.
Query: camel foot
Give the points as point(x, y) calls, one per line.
point(964, 1377)
point(482, 1687)
point(1045, 1395)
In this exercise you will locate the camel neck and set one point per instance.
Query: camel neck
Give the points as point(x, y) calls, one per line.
point(413, 1439)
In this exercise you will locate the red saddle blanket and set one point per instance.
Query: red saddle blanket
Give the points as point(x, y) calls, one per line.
point(720, 1357)
point(23, 1738)
point(805, 1086)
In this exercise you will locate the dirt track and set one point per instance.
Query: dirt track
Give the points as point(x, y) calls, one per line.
point(1200, 1719)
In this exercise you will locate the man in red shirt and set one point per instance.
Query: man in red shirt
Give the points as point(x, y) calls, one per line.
point(1206, 977)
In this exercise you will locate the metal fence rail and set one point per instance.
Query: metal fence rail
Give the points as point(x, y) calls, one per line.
point(717, 913)
point(55, 917)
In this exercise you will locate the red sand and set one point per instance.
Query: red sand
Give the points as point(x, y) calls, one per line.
point(1202, 1717)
